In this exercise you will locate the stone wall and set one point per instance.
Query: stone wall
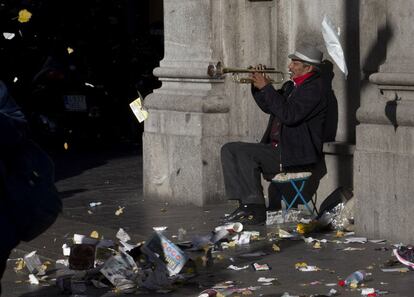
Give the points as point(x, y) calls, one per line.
point(191, 116)
point(384, 156)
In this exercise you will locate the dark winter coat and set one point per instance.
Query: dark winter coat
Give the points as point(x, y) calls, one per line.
point(302, 113)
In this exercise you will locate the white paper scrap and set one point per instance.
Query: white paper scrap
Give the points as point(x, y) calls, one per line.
point(244, 238)
point(266, 279)
point(33, 279)
point(138, 110)
point(122, 235)
point(356, 240)
point(234, 267)
point(333, 44)
point(66, 250)
point(8, 35)
point(366, 291)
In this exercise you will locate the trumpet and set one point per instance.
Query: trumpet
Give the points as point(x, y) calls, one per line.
point(218, 71)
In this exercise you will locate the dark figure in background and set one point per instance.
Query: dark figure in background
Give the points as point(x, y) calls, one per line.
point(292, 141)
point(13, 133)
point(29, 201)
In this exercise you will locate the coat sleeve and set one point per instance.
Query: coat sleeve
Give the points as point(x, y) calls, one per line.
point(293, 110)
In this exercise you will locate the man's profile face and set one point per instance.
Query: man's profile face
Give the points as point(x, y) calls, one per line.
point(298, 68)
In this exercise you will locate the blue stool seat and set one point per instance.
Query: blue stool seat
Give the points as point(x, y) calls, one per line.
point(297, 180)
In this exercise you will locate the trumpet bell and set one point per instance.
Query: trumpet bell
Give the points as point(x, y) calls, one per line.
point(215, 71)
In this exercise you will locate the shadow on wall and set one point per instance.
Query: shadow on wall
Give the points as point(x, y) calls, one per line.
point(377, 54)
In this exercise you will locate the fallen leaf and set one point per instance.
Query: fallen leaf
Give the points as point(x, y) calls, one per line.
point(24, 16)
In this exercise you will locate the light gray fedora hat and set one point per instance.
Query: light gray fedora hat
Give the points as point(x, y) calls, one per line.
point(308, 54)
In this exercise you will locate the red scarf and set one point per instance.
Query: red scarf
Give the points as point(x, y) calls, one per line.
point(299, 80)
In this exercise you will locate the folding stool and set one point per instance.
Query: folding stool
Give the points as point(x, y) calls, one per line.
point(297, 180)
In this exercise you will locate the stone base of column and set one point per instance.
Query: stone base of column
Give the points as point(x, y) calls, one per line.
point(181, 156)
point(384, 161)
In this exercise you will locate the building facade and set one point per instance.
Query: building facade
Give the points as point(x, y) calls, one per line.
point(192, 115)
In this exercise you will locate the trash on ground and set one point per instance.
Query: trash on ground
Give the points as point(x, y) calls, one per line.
point(260, 267)
point(122, 235)
point(33, 279)
point(356, 240)
point(354, 279)
point(304, 267)
point(353, 249)
point(405, 255)
point(234, 267)
point(399, 269)
point(94, 204)
point(33, 263)
point(160, 247)
point(119, 211)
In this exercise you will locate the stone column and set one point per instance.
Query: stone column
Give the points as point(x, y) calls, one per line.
point(384, 156)
point(187, 121)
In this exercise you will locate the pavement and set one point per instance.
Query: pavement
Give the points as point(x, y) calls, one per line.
point(113, 176)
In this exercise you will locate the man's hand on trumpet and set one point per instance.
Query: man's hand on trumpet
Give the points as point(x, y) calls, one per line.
point(260, 79)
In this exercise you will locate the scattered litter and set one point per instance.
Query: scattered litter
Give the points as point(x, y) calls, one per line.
point(405, 255)
point(378, 240)
point(354, 279)
point(24, 16)
point(82, 239)
point(317, 245)
point(356, 240)
point(33, 279)
point(89, 85)
point(160, 228)
point(353, 249)
point(244, 238)
point(285, 234)
point(260, 267)
point(266, 279)
point(94, 204)
point(8, 35)
point(304, 228)
point(119, 211)
point(94, 234)
point(64, 262)
point(275, 247)
point(19, 265)
point(367, 291)
point(137, 107)
point(66, 250)
point(234, 267)
point(181, 233)
point(399, 269)
point(69, 50)
point(122, 235)
point(159, 247)
point(33, 263)
point(121, 271)
point(231, 228)
point(302, 266)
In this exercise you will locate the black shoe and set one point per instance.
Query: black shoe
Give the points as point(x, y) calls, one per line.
point(247, 214)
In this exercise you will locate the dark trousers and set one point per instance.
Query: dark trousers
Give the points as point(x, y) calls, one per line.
point(243, 163)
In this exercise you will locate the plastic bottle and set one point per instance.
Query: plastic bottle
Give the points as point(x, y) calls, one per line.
point(354, 278)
